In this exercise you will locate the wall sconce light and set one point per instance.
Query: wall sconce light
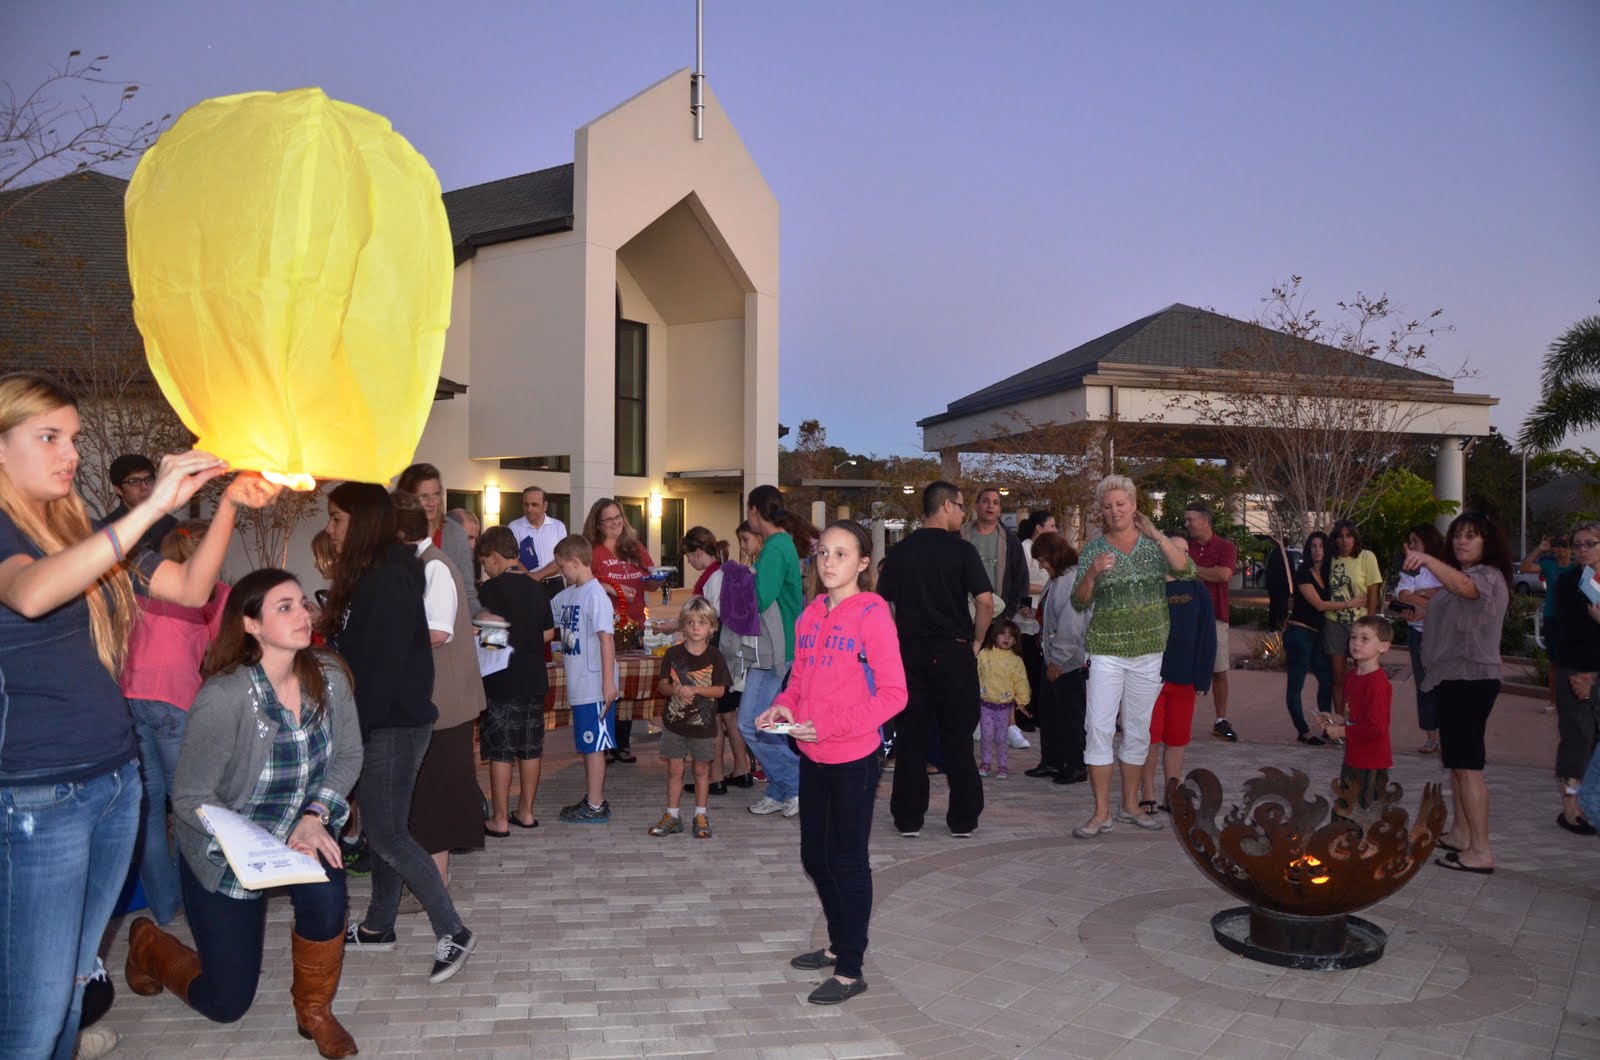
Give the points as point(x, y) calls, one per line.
point(491, 499)
point(655, 505)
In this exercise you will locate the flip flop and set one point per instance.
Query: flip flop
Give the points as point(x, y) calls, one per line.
point(497, 835)
point(1443, 844)
point(519, 824)
point(1148, 806)
point(1452, 861)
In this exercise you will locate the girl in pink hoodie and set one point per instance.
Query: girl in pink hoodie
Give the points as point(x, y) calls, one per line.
point(847, 681)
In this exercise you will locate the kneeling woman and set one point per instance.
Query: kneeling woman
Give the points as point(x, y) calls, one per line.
point(847, 681)
point(272, 736)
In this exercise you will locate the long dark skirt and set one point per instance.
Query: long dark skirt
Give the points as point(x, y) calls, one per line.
point(447, 808)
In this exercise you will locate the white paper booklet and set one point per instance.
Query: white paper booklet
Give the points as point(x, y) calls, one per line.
point(258, 858)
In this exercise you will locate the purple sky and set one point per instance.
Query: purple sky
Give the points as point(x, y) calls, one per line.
point(968, 189)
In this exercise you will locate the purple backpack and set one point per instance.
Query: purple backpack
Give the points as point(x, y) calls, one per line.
point(738, 600)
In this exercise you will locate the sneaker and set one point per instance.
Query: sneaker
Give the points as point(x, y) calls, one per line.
point(702, 826)
point(1015, 740)
point(756, 775)
point(582, 813)
point(357, 858)
point(766, 805)
point(960, 835)
point(1002, 774)
point(1312, 741)
point(791, 806)
point(669, 824)
point(911, 834)
point(1429, 747)
point(888, 764)
point(410, 905)
point(1222, 730)
point(357, 937)
point(451, 953)
point(983, 771)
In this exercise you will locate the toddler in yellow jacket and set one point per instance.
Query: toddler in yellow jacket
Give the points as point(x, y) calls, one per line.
point(1002, 684)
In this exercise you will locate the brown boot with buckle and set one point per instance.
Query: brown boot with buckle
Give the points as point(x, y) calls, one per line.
point(317, 966)
point(156, 960)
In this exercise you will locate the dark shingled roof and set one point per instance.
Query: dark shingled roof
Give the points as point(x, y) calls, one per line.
point(63, 272)
point(1179, 337)
point(531, 204)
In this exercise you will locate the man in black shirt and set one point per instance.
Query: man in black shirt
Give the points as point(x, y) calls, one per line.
point(132, 477)
point(928, 577)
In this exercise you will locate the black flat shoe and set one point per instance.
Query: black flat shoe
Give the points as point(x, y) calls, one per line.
point(833, 992)
point(1312, 741)
point(741, 780)
point(1040, 771)
point(810, 962)
point(718, 787)
point(1581, 827)
point(1075, 777)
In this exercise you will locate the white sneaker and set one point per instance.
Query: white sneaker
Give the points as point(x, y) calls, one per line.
point(767, 805)
point(1015, 739)
point(791, 807)
point(95, 1042)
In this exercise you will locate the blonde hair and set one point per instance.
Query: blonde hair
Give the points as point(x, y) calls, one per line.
point(1116, 482)
point(64, 521)
point(697, 605)
point(180, 543)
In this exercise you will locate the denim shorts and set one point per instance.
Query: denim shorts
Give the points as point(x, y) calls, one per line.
point(594, 727)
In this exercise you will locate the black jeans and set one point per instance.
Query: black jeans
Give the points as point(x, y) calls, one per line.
point(942, 705)
point(229, 933)
point(388, 779)
point(835, 823)
point(1062, 705)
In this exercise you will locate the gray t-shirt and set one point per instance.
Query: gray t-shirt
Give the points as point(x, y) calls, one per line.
point(1463, 641)
point(988, 546)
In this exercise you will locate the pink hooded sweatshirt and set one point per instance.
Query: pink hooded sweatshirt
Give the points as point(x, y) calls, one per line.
point(847, 679)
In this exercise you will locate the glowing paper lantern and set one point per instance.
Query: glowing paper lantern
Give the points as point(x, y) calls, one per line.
point(291, 266)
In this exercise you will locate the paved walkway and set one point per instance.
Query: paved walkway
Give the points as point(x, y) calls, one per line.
point(601, 941)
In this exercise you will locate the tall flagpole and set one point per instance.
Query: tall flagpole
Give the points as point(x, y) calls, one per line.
point(697, 83)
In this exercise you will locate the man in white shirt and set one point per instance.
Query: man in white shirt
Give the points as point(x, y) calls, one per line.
point(537, 535)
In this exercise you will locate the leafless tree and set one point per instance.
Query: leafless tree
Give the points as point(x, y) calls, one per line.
point(264, 533)
point(1314, 408)
point(75, 119)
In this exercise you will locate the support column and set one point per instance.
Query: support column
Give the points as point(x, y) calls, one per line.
point(878, 546)
point(1450, 475)
point(950, 465)
point(819, 513)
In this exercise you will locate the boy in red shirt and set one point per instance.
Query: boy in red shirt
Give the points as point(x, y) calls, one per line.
point(1365, 729)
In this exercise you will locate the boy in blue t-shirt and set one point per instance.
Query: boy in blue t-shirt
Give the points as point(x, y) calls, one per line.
point(584, 619)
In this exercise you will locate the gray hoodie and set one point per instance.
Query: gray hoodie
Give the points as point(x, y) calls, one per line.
point(1063, 627)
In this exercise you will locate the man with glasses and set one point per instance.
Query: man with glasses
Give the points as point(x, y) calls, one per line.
point(929, 578)
point(132, 477)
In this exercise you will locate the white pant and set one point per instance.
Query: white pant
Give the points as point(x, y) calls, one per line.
point(1128, 685)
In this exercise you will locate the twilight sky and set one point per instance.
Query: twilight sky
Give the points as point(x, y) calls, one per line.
point(970, 188)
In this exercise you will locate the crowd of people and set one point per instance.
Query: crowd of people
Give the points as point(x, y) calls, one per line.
point(346, 722)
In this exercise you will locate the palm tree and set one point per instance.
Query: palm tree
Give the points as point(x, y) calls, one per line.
point(1570, 388)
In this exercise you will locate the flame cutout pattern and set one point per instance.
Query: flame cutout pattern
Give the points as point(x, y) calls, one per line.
point(1292, 853)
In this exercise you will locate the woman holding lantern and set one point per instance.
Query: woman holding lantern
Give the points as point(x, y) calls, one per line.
point(69, 771)
point(622, 565)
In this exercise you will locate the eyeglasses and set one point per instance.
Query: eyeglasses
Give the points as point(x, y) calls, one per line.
point(139, 481)
point(959, 504)
point(609, 519)
point(1581, 543)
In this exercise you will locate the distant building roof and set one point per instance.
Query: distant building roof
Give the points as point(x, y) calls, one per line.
point(1179, 337)
point(63, 271)
point(530, 204)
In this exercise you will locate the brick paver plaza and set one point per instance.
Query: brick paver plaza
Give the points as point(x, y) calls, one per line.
point(599, 941)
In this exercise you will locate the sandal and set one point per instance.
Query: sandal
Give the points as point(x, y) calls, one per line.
point(1148, 806)
point(622, 754)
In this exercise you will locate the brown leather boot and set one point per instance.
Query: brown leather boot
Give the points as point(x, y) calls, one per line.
point(316, 979)
point(156, 960)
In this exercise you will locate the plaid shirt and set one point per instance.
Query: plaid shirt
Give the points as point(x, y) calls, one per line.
point(292, 777)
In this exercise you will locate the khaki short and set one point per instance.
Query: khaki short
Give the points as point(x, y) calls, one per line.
point(677, 746)
point(1221, 664)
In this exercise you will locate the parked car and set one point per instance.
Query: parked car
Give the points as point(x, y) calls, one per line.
point(1528, 584)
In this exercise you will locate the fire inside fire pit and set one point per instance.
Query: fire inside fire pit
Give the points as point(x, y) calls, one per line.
point(1304, 864)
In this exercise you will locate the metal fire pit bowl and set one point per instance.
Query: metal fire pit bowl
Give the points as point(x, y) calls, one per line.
point(1303, 864)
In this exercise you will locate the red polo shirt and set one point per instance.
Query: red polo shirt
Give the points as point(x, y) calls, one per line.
point(1218, 552)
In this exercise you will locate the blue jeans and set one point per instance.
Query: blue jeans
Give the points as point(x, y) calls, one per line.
point(229, 933)
point(388, 780)
point(835, 824)
point(159, 727)
point(776, 756)
point(67, 852)
point(1427, 702)
point(1303, 647)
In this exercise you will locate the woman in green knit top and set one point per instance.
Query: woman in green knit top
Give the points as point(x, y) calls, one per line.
point(1123, 577)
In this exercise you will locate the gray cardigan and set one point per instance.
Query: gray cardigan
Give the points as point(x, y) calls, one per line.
point(1063, 626)
point(225, 748)
point(458, 552)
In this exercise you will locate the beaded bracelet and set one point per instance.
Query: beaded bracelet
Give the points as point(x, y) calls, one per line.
point(116, 547)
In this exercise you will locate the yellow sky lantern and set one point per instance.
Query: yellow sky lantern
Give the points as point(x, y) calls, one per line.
point(291, 267)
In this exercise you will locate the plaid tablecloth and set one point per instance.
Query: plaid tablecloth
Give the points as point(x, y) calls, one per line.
point(638, 691)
